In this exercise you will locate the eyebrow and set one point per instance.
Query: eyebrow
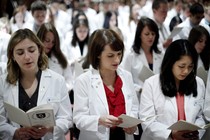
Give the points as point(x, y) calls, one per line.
point(27, 48)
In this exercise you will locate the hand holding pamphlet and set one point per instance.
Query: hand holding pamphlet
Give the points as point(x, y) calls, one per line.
point(129, 121)
point(39, 115)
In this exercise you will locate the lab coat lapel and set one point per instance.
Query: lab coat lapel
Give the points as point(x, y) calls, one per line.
point(174, 104)
point(44, 85)
point(15, 95)
point(98, 86)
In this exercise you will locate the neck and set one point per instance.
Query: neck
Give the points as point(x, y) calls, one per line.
point(29, 76)
point(108, 77)
point(107, 73)
point(177, 82)
point(146, 49)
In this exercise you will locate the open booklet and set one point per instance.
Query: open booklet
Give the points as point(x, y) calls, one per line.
point(39, 115)
point(183, 125)
point(202, 73)
point(129, 121)
point(145, 73)
point(174, 32)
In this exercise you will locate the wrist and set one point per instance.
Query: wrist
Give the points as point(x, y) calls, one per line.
point(50, 129)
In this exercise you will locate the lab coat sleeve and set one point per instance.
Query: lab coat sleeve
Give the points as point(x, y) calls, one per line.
point(81, 111)
point(6, 130)
point(64, 115)
point(207, 100)
point(152, 128)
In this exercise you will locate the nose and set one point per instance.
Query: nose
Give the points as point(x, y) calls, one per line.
point(186, 71)
point(27, 56)
point(117, 59)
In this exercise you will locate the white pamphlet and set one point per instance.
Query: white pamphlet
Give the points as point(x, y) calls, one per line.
point(174, 32)
point(183, 125)
point(145, 73)
point(39, 115)
point(129, 121)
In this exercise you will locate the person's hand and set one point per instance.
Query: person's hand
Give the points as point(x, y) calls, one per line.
point(167, 42)
point(130, 130)
point(22, 134)
point(37, 132)
point(109, 121)
point(185, 135)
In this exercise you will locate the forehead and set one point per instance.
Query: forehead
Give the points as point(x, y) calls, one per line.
point(49, 34)
point(108, 49)
point(81, 27)
point(198, 16)
point(39, 12)
point(24, 44)
point(146, 29)
point(203, 37)
point(163, 6)
point(185, 59)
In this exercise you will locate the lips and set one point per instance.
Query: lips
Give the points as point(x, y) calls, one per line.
point(183, 76)
point(115, 65)
point(28, 63)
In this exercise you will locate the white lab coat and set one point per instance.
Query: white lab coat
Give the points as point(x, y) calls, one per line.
point(52, 89)
point(205, 24)
point(207, 99)
point(73, 53)
point(4, 40)
point(153, 102)
point(206, 109)
point(91, 103)
point(3, 67)
point(66, 73)
point(134, 62)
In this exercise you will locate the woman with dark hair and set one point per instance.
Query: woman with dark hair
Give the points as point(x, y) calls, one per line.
point(75, 47)
point(110, 20)
point(105, 91)
point(144, 51)
point(199, 38)
point(176, 93)
point(57, 60)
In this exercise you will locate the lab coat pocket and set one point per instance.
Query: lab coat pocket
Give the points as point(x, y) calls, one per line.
point(54, 102)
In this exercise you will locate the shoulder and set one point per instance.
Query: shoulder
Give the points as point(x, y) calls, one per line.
point(123, 73)
point(153, 79)
point(53, 75)
point(199, 82)
point(4, 85)
point(89, 74)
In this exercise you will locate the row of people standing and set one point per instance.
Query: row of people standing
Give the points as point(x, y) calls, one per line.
point(107, 78)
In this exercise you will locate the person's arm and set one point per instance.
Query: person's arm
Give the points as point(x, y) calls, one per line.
point(152, 128)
